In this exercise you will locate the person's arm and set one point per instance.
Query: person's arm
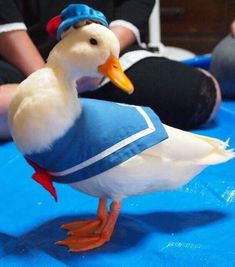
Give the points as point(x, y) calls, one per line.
point(131, 20)
point(125, 36)
point(17, 48)
point(233, 28)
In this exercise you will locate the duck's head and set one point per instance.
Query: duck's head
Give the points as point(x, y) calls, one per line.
point(90, 49)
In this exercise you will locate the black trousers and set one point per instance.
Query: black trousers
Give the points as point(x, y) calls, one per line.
point(181, 95)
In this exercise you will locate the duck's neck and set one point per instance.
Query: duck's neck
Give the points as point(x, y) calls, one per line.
point(56, 114)
point(65, 105)
point(64, 70)
point(66, 85)
point(66, 77)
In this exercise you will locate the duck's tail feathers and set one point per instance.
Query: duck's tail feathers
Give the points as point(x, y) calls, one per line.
point(219, 153)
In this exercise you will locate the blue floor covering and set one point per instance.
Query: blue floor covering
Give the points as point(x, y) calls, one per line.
point(192, 226)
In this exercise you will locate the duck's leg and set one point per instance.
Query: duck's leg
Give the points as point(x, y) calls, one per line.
point(78, 243)
point(86, 228)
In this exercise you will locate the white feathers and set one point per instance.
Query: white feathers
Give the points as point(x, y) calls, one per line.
point(190, 147)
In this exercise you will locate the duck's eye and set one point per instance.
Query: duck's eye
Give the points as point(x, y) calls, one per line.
point(93, 41)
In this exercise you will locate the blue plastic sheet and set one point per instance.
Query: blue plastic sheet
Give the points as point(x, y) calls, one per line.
point(200, 61)
point(192, 226)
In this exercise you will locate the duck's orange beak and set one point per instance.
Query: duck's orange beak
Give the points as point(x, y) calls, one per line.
point(113, 70)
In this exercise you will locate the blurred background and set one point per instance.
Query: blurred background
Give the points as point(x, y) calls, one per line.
point(196, 25)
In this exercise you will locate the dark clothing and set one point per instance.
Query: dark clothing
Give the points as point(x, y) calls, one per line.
point(9, 73)
point(181, 95)
point(36, 14)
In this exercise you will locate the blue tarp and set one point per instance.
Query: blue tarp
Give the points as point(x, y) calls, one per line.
point(200, 61)
point(192, 226)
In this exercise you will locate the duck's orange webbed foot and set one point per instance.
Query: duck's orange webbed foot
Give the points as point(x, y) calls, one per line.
point(88, 228)
point(86, 235)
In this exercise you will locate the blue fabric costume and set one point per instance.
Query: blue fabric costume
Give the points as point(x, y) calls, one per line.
point(105, 135)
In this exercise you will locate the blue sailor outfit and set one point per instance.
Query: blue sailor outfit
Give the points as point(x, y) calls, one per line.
point(105, 135)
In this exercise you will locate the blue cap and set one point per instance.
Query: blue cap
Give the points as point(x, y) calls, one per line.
point(78, 12)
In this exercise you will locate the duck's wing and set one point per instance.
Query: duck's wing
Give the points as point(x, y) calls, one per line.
point(189, 147)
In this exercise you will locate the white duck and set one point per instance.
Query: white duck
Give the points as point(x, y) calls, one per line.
point(45, 108)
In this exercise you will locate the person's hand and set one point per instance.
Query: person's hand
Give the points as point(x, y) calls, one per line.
point(86, 84)
point(233, 29)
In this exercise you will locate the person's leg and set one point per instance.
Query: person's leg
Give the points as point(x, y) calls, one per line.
point(218, 94)
point(181, 95)
point(223, 66)
point(5, 98)
point(9, 79)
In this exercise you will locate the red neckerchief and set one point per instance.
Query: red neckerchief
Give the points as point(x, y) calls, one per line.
point(43, 178)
